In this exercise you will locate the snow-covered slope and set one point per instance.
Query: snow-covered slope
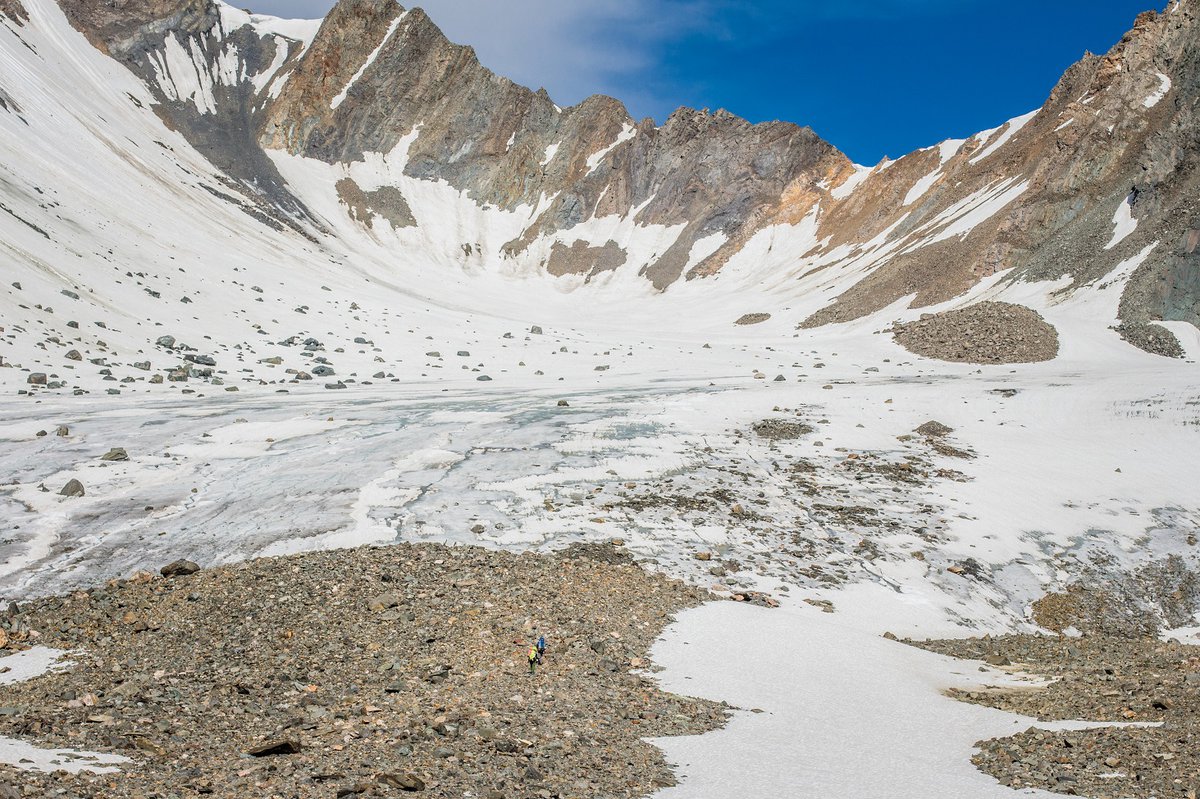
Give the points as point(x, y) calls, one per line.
point(120, 230)
point(200, 238)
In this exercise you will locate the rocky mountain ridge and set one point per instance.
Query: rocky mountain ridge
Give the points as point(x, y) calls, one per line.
point(1098, 182)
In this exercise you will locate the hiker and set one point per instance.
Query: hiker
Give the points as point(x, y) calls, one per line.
point(541, 648)
point(533, 659)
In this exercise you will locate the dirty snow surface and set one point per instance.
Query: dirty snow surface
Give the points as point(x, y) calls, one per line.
point(25, 666)
point(277, 390)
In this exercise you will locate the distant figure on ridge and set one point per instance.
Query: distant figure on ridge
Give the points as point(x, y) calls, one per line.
point(533, 659)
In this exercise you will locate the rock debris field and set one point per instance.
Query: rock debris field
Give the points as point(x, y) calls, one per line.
point(1102, 678)
point(987, 332)
point(368, 672)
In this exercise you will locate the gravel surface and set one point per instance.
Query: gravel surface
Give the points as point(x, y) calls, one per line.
point(369, 672)
point(1105, 679)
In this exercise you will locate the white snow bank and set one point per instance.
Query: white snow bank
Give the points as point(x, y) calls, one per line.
point(387, 37)
point(301, 30)
point(1011, 129)
point(703, 248)
point(1157, 96)
point(1188, 336)
point(1123, 223)
point(844, 714)
point(13, 752)
point(861, 173)
point(947, 149)
point(627, 132)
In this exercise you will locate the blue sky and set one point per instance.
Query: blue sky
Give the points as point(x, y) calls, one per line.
point(873, 77)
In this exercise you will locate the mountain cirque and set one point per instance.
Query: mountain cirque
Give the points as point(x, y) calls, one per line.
point(1100, 178)
point(372, 672)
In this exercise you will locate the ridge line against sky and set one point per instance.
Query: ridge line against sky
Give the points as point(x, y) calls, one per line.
point(875, 77)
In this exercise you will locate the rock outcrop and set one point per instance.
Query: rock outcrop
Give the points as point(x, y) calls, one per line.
point(14, 11)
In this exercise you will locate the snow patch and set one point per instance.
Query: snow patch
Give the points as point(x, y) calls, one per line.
point(817, 684)
point(551, 151)
point(1123, 222)
point(967, 214)
point(341, 96)
point(947, 150)
point(1010, 129)
point(1164, 87)
point(847, 187)
point(703, 248)
point(627, 132)
point(13, 752)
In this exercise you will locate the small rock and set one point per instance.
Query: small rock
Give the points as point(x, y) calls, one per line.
point(405, 782)
point(285, 747)
point(383, 602)
point(115, 454)
point(179, 568)
point(73, 488)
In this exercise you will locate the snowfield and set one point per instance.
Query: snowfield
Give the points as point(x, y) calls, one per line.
point(371, 385)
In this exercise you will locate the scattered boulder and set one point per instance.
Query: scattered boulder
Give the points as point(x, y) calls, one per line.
point(115, 454)
point(179, 568)
point(73, 488)
point(284, 747)
point(37, 379)
point(166, 341)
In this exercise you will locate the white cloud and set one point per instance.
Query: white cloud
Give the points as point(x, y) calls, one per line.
point(573, 49)
point(576, 48)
